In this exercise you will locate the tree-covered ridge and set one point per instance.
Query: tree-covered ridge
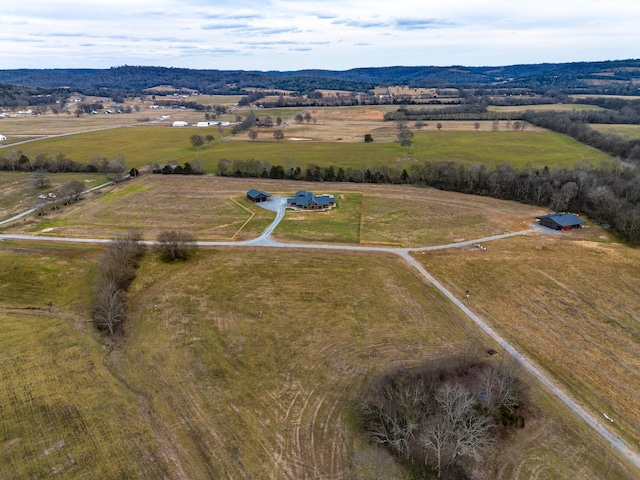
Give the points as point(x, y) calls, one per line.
point(16, 95)
point(579, 76)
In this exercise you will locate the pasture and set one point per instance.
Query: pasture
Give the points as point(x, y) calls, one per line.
point(554, 107)
point(628, 132)
point(18, 193)
point(148, 145)
point(239, 373)
point(569, 302)
point(153, 203)
point(214, 208)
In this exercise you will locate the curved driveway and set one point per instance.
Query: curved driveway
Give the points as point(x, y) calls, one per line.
point(278, 204)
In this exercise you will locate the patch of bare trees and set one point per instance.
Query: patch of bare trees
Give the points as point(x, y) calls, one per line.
point(115, 273)
point(175, 245)
point(442, 420)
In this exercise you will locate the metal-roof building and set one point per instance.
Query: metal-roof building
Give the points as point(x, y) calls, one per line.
point(561, 221)
point(304, 200)
point(257, 196)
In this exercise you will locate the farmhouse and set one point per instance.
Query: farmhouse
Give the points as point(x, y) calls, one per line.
point(561, 221)
point(304, 200)
point(257, 196)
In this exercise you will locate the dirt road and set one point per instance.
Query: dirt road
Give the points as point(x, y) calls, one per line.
point(264, 240)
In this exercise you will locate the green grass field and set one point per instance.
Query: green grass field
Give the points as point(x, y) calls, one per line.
point(556, 107)
point(147, 145)
point(340, 224)
point(628, 132)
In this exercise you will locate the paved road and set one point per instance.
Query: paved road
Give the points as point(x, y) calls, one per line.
point(279, 206)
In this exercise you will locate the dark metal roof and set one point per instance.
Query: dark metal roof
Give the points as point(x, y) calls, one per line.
point(304, 199)
point(563, 219)
point(253, 193)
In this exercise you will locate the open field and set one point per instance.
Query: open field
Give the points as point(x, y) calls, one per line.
point(153, 203)
point(570, 302)
point(146, 145)
point(628, 132)
point(623, 97)
point(50, 124)
point(238, 373)
point(17, 192)
point(418, 217)
point(215, 208)
point(64, 415)
point(556, 107)
point(336, 138)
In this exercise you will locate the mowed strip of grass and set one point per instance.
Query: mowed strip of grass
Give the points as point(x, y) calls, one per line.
point(570, 303)
point(18, 193)
point(154, 203)
point(63, 413)
point(147, 145)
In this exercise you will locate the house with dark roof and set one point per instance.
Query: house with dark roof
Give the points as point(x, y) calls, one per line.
point(561, 221)
point(304, 200)
point(257, 196)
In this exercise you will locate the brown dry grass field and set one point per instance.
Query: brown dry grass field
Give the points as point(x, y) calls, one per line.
point(413, 217)
point(570, 303)
point(206, 207)
point(18, 193)
point(229, 369)
point(214, 208)
point(50, 124)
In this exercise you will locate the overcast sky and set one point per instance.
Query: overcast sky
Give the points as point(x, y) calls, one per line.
point(326, 34)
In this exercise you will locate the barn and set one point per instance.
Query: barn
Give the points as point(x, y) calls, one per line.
point(561, 221)
point(304, 200)
point(257, 196)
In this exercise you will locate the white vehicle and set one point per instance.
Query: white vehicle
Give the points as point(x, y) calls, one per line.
point(2, 138)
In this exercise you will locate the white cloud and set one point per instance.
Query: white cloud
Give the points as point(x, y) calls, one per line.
point(335, 34)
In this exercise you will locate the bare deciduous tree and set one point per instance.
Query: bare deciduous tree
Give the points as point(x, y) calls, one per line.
point(174, 245)
point(41, 179)
point(108, 305)
point(278, 135)
point(115, 273)
point(457, 428)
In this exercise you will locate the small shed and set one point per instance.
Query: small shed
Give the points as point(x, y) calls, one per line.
point(257, 196)
point(561, 221)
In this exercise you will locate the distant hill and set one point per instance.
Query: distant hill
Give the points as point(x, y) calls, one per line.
point(616, 76)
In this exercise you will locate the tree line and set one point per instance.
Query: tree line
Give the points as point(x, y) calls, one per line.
point(608, 193)
point(117, 269)
point(17, 161)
